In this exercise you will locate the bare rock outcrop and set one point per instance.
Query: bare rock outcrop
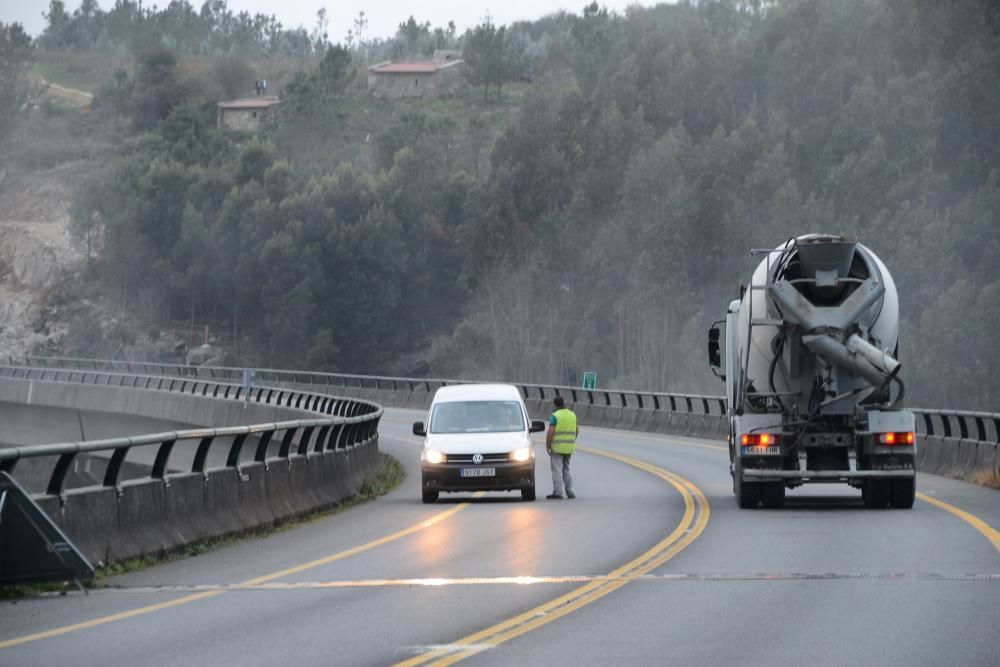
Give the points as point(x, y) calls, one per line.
point(38, 257)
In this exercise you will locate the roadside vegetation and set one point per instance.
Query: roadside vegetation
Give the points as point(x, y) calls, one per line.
point(588, 202)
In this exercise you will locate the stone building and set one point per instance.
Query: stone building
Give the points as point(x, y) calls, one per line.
point(247, 114)
point(435, 78)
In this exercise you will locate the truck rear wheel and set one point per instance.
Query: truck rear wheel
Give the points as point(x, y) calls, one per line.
point(772, 495)
point(876, 493)
point(904, 491)
point(747, 493)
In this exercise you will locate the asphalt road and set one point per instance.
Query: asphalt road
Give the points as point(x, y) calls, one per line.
point(651, 564)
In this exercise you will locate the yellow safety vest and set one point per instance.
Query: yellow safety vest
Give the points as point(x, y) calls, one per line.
point(564, 438)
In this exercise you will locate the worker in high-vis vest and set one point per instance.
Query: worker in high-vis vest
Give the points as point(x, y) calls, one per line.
point(560, 442)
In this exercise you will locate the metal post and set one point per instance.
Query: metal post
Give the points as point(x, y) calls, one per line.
point(162, 456)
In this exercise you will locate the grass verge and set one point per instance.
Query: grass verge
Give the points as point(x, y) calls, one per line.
point(389, 474)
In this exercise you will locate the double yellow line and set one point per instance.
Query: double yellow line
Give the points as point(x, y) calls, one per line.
point(984, 529)
point(696, 512)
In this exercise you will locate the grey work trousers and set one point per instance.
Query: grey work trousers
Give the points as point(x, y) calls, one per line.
point(562, 479)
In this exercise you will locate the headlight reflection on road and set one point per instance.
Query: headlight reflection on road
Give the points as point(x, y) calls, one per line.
point(525, 537)
point(434, 545)
point(433, 582)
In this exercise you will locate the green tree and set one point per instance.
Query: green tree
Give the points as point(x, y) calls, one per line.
point(16, 52)
point(58, 26)
point(412, 32)
point(492, 56)
point(320, 36)
point(233, 76)
point(592, 35)
point(156, 90)
point(335, 73)
point(480, 53)
point(115, 95)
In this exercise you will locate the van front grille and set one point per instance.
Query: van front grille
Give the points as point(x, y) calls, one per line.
point(467, 458)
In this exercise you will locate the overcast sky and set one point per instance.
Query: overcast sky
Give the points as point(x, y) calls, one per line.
point(383, 15)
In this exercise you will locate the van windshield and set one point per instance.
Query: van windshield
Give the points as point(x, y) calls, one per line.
point(477, 417)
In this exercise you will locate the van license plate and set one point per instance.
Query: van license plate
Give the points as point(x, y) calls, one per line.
point(479, 472)
point(761, 451)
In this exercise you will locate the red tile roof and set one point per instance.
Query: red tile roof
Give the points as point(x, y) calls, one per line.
point(412, 68)
point(250, 103)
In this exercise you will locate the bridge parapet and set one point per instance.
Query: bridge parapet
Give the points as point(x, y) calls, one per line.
point(950, 442)
point(197, 483)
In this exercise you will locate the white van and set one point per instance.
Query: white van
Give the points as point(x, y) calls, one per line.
point(477, 438)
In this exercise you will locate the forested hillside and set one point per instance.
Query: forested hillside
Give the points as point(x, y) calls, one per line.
point(597, 216)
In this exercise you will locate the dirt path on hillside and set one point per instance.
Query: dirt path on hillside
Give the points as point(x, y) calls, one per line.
point(77, 98)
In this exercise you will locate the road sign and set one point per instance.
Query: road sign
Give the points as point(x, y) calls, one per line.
point(590, 379)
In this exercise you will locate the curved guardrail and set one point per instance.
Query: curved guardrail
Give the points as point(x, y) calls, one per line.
point(953, 442)
point(979, 426)
point(623, 398)
point(351, 422)
point(258, 474)
point(959, 424)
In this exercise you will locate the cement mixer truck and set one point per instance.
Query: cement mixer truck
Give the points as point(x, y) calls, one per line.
point(813, 390)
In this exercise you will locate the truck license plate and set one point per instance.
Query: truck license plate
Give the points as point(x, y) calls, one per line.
point(761, 451)
point(479, 472)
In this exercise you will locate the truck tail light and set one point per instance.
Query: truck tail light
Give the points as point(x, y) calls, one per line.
point(759, 439)
point(896, 438)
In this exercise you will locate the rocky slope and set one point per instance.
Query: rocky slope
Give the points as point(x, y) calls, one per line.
point(40, 261)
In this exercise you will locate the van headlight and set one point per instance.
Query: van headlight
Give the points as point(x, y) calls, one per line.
point(521, 455)
point(433, 456)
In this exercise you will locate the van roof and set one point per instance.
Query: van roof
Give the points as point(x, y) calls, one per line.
point(477, 392)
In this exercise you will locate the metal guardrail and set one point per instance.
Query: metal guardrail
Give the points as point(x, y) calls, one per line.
point(614, 398)
point(349, 423)
point(963, 425)
point(955, 424)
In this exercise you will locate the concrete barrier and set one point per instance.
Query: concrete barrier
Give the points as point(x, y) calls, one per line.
point(643, 420)
point(950, 461)
point(928, 453)
point(154, 516)
point(628, 419)
point(986, 463)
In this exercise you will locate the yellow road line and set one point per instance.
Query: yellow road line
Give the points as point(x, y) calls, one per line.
point(987, 531)
point(437, 518)
point(696, 513)
point(106, 619)
point(657, 438)
point(984, 528)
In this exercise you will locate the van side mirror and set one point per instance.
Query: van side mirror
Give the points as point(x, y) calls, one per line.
point(537, 426)
point(418, 428)
point(714, 353)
